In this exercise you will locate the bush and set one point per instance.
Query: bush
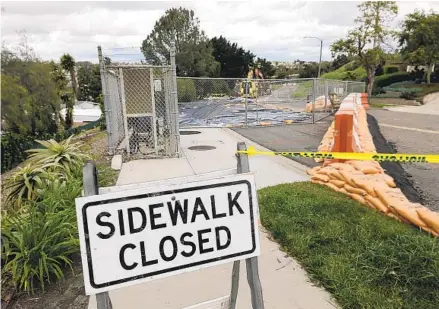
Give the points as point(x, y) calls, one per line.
point(13, 147)
point(390, 69)
point(65, 154)
point(221, 87)
point(24, 183)
point(388, 79)
point(186, 90)
point(377, 90)
point(37, 245)
point(408, 95)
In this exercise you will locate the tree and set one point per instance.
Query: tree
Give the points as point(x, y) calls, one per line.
point(89, 82)
point(266, 67)
point(68, 64)
point(29, 97)
point(340, 61)
point(193, 50)
point(419, 40)
point(367, 40)
point(234, 61)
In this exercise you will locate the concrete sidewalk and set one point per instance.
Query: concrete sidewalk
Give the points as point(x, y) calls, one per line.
point(430, 107)
point(285, 284)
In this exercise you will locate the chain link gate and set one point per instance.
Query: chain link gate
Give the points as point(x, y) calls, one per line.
point(140, 109)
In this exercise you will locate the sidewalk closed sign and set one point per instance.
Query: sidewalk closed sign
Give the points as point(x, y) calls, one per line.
point(134, 236)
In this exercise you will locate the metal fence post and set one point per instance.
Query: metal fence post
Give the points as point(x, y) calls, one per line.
point(326, 93)
point(154, 114)
point(124, 110)
point(176, 126)
point(106, 100)
point(90, 180)
point(251, 263)
point(313, 99)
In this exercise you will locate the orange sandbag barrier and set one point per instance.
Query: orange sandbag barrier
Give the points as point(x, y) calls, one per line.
point(365, 181)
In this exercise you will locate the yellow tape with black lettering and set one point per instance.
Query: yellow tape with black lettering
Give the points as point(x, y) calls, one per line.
point(379, 157)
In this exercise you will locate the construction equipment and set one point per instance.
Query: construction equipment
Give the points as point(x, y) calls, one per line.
point(254, 86)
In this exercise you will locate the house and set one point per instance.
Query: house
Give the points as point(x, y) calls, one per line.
point(84, 111)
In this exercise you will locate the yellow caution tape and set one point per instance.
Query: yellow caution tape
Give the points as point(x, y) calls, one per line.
point(379, 157)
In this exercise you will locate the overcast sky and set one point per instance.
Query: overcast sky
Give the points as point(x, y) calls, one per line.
point(270, 29)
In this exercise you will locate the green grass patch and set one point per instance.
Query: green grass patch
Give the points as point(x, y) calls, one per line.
point(366, 260)
point(303, 89)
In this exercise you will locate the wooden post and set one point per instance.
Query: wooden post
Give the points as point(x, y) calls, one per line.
point(251, 263)
point(90, 181)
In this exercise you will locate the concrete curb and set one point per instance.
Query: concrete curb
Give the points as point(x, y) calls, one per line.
point(300, 168)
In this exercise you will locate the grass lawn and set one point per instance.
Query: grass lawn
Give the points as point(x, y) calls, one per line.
point(302, 90)
point(366, 260)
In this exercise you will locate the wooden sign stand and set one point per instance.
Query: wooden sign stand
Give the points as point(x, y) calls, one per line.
point(103, 300)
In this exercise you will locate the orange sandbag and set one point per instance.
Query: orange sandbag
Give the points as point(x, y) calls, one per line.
point(354, 190)
point(356, 197)
point(408, 212)
point(376, 202)
point(369, 204)
point(327, 170)
point(313, 171)
point(366, 167)
point(389, 180)
point(343, 190)
point(390, 196)
point(430, 231)
point(317, 181)
point(337, 183)
point(332, 186)
point(320, 177)
point(349, 176)
point(369, 185)
point(431, 218)
point(336, 175)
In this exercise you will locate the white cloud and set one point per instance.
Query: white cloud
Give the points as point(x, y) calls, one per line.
point(270, 29)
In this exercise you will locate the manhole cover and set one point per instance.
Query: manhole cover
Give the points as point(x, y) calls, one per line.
point(189, 132)
point(202, 148)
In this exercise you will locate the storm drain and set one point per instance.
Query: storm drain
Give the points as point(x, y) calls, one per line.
point(189, 132)
point(202, 148)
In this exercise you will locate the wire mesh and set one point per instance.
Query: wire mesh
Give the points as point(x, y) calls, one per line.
point(113, 110)
point(140, 108)
point(226, 102)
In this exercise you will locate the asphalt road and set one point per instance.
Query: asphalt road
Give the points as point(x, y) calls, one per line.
point(296, 137)
point(392, 132)
point(414, 133)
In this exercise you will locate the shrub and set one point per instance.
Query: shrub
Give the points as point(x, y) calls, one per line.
point(186, 90)
point(388, 79)
point(389, 69)
point(24, 183)
point(13, 147)
point(220, 86)
point(377, 90)
point(36, 246)
point(408, 95)
point(65, 154)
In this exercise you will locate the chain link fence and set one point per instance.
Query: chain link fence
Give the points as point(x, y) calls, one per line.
point(140, 109)
point(225, 102)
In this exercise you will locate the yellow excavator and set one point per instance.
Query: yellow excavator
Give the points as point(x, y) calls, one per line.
point(254, 86)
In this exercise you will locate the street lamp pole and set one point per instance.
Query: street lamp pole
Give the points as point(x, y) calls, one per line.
point(321, 47)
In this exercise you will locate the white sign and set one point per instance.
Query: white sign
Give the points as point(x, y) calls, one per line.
point(157, 85)
point(134, 236)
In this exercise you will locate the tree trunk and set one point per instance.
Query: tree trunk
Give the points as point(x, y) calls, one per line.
point(429, 70)
point(73, 78)
point(371, 79)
